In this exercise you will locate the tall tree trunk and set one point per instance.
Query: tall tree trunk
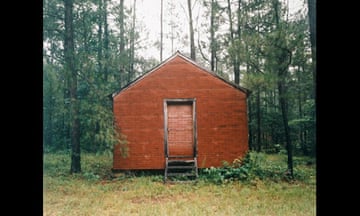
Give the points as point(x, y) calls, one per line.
point(192, 42)
point(230, 21)
point(121, 22)
point(106, 43)
point(234, 55)
point(161, 31)
point(69, 54)
point(212, 36)
point(237, 54)
point(238, 63)
point(236, 71)
point(239, 20)
point(100, 39)
point(312, 25)
point(301, 114)
point(122, 43)
point(249, 125)
point(48, 117)
point(283, 60)
point(283, 106)
point(66, 115)
point(258, 122)
point(132, 45)
point(301, 128)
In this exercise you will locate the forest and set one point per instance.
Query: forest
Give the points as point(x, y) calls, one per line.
point(92, 48)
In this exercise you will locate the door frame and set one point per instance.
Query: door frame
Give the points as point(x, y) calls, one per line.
point(189, 101)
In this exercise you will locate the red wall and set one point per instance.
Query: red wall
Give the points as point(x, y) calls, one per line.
point(222, 132)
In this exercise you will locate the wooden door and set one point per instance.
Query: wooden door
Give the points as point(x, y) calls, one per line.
point(180, 129)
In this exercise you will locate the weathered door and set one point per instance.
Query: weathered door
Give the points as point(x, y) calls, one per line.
point(180, 129)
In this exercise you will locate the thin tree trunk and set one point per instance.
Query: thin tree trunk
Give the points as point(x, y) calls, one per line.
point(69, 54)
point(100, 39)
point(312, 24)
point(230, 21)
point(283, 106)
point(66, 115)
point(282, 55)
point(212, 36)
point(233, 56)
point(301, 126)
point(121, 22)
point(237, 54)
point(106, 42)
point(192, 42)
point(132, 45)
point(122, 43)
point(161, 31)
point(249, 125)
point(258, 122)
point(48, 133)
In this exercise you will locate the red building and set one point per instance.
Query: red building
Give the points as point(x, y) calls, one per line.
point(180, 110)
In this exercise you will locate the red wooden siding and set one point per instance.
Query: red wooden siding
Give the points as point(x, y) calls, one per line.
point(221, 116)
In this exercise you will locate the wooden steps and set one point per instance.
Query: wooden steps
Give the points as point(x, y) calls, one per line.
point(180, 168)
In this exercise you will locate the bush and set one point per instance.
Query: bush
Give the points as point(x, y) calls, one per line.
point(256, 166)
point(238, 170)
point(91, 176)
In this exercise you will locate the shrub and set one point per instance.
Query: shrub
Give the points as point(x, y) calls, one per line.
point(256, 166)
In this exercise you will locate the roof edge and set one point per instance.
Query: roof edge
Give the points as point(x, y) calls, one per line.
point(145, 74)
point(178, 53)
point(245, 90)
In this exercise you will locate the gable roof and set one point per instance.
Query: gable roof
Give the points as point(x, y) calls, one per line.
point(177, 53)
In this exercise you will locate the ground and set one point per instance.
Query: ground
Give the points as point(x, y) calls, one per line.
point(94, 192)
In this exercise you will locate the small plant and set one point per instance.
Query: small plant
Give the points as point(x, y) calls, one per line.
point(91, 176)
point(254, 166)
point(213, 175)
point(238, 170)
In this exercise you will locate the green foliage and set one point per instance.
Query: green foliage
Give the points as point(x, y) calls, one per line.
point(213, 175)
point(97, 62)
point(259, 47)
point(91, 176)
point(257, 166)
point(277, 50)
point(94, 193)
point(123, 145)
point(95, 167)
point(238, 170)
point(275, 149)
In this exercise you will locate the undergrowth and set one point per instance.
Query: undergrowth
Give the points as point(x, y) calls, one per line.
point(254, 166)
point(260, 166)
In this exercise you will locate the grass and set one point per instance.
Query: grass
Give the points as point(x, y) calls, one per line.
point(95, 192)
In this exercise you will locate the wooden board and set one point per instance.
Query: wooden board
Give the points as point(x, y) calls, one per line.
point(180, 129)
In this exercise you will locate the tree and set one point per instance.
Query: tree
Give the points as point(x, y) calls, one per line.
point(212, 35)
point(312, 27)
point(173, 22)
point(100, 35)
point(280, 59)
point(191, 31)
point(161, 30)
point(69, 54)
point(122, 42)
point(235, 41)
point(49, 90)
point(276, 52)
point(106, 42)
point(132, 44)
